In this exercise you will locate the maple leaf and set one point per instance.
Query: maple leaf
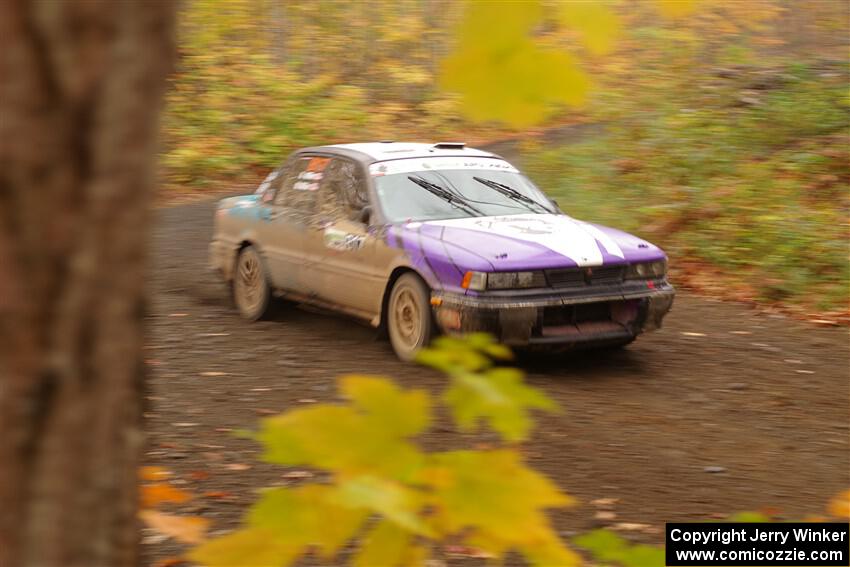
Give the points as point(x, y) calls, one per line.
point(389, 545)
point(498, 396)
point(409, 411)
point(597, 22)
point(392, 500)
point(308, 515)
point(492, 493)
point(247, 546)
point(321, 435)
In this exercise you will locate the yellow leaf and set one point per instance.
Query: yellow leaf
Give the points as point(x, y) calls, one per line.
point(322, 436)
point(392, 500)
point(305, 516)
point(407, 412)
point(502, 74)
point(840, 505)
point(500, 397)
point(598, 24)
point(388, 545)
point(492, 492)
point(188, 529)
point(513, 20)
point(551, 551)
point(256, 547)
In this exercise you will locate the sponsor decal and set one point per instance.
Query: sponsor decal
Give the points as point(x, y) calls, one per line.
point(309, 179)
point(340, 240)
point(266, 182)
point(439, 163)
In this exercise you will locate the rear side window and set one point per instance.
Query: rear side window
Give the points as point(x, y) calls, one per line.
point(344, 191)
point(300, 182)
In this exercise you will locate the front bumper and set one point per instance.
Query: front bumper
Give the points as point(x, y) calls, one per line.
point(608, 315)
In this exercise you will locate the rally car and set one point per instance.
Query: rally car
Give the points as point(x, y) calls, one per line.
point(421, 239)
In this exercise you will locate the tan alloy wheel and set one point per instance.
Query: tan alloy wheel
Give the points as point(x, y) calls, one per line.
point(409, 317)
point(250, 288)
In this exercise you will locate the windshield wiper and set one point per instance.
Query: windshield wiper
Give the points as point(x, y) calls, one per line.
point(443, 193)
point(510, 193)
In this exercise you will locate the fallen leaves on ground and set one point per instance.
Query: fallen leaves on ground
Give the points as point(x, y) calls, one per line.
point(187, 529)
point(152, 495)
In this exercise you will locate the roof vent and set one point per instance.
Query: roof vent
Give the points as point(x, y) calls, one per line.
point(449, 146)
point(387, 141)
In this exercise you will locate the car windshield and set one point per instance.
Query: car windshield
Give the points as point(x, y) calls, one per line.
point(413, 194)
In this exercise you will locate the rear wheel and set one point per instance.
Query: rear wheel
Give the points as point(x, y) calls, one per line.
point(409, 320)
point(251, 290)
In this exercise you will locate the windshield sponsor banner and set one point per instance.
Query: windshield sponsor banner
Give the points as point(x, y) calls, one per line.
point(757, 543)
point(439, 163)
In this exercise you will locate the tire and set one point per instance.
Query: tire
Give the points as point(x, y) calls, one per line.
point(409, 321)
point(252, 293)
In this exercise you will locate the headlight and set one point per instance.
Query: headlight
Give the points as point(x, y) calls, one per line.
point(510, 280)
point(647, 270)
point(476, 281)
point(480, 281)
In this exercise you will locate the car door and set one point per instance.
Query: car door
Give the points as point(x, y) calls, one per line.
point(284, 223)
point(351, 272)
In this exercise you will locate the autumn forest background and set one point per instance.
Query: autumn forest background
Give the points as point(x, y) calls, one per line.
point(717, 128)
point(131, 393)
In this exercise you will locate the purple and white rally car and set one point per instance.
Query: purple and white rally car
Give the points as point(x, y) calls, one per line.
point(420, 239)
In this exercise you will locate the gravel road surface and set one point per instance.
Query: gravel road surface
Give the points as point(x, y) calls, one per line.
point(721, 411)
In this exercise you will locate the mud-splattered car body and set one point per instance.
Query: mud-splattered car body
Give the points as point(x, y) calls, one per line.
point(338, 225)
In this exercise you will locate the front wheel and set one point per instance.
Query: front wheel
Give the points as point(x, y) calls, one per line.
point(409, 320)
point(251, 290)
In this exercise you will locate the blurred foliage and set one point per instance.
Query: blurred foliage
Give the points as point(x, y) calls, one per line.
point(384, 491)
point(722, 152)
point(609, 548)
point(258, 78)
point(503, 72)
point(606, 547)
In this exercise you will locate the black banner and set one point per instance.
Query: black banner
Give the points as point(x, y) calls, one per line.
point(760, 543)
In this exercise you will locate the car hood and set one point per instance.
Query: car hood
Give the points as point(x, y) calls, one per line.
point(531, 241)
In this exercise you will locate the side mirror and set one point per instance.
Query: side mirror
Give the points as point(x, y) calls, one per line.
point(365, 215)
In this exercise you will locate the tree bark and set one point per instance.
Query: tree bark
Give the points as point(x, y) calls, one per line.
point(80, 88)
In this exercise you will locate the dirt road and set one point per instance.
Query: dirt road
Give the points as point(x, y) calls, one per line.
point(723, 410)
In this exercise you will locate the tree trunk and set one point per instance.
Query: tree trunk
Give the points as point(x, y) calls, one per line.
point(80, 87)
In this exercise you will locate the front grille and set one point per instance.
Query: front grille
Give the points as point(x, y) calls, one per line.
point(607, 275)
point(565, 278)
point(574, 314)
point(538, 279)
point(578, 277)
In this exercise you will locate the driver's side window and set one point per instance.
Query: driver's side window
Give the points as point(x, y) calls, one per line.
point(299, 184)
point(344, 194)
